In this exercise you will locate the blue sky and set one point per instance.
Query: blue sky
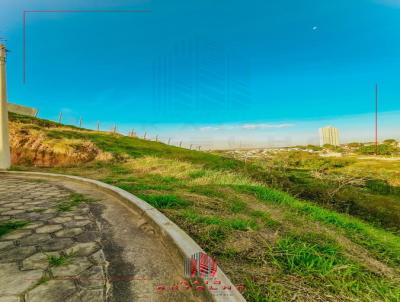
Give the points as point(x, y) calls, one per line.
point(212, 73)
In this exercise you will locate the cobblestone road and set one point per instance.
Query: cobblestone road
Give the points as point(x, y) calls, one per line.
point(40, 261)
point(62, 240)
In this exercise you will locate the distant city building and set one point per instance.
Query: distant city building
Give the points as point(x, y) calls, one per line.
point(329, 136)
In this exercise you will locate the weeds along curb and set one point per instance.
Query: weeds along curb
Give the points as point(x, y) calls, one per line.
point(173, 236)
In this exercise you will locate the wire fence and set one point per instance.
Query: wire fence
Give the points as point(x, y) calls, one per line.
point(168, 140)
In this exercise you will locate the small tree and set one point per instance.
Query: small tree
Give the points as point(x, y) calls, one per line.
point(390, 141)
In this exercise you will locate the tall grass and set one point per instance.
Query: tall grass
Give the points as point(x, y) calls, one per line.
point(384, 245)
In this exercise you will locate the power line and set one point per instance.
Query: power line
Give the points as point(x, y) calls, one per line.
point(376, 118)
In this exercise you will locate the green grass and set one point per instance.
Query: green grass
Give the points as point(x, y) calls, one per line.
point(73, 201)
point(59, 260)
point(7, 227)
point(266, 219)
point(227, 223)
point(165, 201)
point(284, 248)
point(384, 245)
point(304, 256)
point(237, 206)
point(43, 280)
point(322, 261)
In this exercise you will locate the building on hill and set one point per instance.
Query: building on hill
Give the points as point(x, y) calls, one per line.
point(329, 136)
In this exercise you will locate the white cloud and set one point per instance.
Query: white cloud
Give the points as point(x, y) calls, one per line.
point(246, 127)
point(395, 3)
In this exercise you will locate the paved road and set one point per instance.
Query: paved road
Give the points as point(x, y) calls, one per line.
point(72, 250)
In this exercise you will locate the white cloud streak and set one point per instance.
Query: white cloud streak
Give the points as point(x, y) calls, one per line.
point(256, 126)
point(394, 3)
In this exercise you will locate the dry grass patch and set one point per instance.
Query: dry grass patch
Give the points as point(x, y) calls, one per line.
point(161, 166)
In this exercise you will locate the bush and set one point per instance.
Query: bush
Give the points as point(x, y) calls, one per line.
point(380, 186)
point(382, 149)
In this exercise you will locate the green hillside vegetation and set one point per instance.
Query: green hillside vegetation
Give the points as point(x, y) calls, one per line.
point(365, 188)
point(282, 247)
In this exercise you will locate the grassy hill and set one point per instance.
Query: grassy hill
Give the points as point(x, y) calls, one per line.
point(281, 247)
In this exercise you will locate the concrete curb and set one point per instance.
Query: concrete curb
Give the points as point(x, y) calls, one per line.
point(169, 230)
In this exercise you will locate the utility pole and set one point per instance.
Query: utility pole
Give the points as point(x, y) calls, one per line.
point(169, 140)
point(144, 136)
point(156, 138)
point(80, 122)
point(98, 126)
point(376, 119)
point(115, 128)
point(5, 157)
point(60, 117)
point(180, 144)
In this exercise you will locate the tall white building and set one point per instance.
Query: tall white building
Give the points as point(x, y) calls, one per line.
point(329, 135)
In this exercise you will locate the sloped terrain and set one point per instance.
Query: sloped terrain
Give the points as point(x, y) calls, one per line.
point(280, 247)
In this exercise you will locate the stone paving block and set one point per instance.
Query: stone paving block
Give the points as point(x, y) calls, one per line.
point(69, 232)
point(60, 219)
point(88, 236)
point(30, 216)
point(92, 278)
point(79, 217)
point(13, 212)
point(56, 244)
point(34, 239)
point(16, 234)
point(98, 258)
point(77, 223)
point(9, 299)
point(4, 218)
point(34, 225)
point(16, 253)
point(51, 291)
point(50, 211)
point(38, 261)
point(11, 204)
point(50, 228)
point(6, 245)
point(74, 267)
point(14, 282)
point(66, 214)
point(83, 249)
